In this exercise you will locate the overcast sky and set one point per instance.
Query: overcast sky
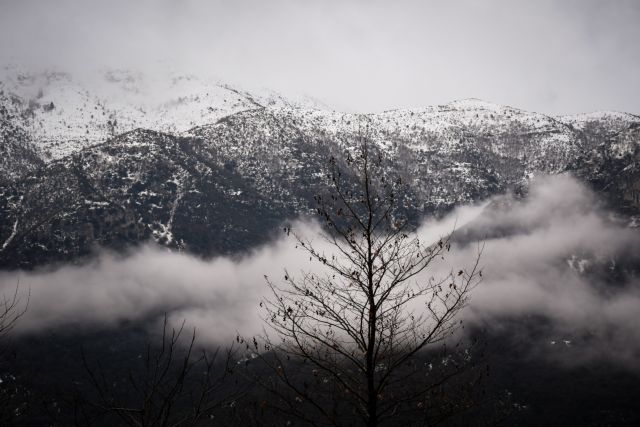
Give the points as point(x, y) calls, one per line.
point(548, 56)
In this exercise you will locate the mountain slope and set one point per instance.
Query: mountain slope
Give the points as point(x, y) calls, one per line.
point(252, 162)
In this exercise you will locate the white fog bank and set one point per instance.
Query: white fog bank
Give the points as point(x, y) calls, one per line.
point(546, 256)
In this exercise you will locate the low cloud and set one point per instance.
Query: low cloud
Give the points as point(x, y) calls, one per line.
point(559, 257)
point(115, 288)
point(555, 255)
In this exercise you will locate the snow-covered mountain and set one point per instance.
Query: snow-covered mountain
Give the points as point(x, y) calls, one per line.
point(209, 168)
point(64, 114)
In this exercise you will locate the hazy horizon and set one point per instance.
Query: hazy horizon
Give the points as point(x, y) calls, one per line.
point(549, 57)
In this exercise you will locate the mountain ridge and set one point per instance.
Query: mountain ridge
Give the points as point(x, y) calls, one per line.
point(226, 183)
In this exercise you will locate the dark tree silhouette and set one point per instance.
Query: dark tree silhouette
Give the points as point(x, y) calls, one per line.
point(12, 307)
point(174, 386)
point(348, 345)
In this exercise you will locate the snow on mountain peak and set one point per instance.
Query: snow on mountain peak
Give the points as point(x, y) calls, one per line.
point(64, 113)
point(615, 120)
point(474, 104)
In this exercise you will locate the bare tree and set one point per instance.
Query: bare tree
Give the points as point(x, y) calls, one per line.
point(12, 308)
point(348, 343)
point(173, 387)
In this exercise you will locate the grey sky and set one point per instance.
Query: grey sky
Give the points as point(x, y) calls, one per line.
point(547, 56)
